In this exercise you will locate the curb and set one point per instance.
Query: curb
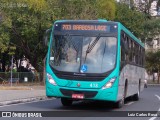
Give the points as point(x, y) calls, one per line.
point(153, 84)
point(15, 88)
point(23, 100)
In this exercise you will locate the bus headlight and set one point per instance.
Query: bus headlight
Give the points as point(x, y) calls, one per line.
point(50, 79)
point(109, 83)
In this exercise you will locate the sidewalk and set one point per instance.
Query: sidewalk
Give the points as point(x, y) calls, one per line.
point(19, 94)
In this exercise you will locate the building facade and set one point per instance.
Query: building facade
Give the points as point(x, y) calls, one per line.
point(141, 4)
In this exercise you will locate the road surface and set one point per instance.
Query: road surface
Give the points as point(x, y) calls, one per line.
point(149, 101)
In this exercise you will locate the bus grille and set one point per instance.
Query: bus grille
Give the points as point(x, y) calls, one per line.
point(80, 78)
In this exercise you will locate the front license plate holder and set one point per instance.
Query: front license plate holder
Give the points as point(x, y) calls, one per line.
point(78, 96)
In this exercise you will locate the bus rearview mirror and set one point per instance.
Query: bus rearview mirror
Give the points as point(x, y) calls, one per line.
point(47, 37)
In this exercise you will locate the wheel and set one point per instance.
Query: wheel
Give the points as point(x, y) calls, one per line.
point(136, 96)
point(66, 102)
point(120, 103)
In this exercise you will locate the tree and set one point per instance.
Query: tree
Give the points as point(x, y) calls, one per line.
point(74, 9)
point(84, 9)
point(144, 6)
point(5, 48)
point(106, 9)
point(26, 21)
point(151, 29)
point(149, 64)
point(153, 63)
point(29, 20)
point(132, 19)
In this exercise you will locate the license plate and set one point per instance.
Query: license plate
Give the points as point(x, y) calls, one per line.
point(78, 96)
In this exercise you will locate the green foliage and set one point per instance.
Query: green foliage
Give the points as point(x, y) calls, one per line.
point(152, 29)
point(27, 25)
point(83, 9)
point(153, 62)
point(5, 25)
point(74, 9)
point(23, 22)
point(149, 61)
point(106, 9)
point(132, 19)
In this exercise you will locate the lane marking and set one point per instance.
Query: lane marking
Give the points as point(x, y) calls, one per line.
point(130, 103)
point(158, 97)
point(153, 118)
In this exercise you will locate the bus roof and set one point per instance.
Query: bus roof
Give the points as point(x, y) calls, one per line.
point(87, 21)
point(105, 21)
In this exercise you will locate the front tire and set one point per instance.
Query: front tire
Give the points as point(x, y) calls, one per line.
point(66, 102)
point(120, 103)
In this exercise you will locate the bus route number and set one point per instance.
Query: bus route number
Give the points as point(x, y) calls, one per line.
point(94, 85)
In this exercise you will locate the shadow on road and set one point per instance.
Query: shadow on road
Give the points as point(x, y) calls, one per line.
point(55, 105)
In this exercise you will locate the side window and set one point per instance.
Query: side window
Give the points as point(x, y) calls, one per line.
point(122, 46)
point(143, 61)
point(133, 52)
point(136, 54)
point(130, 50)
point(139, 55)
point(127, 45)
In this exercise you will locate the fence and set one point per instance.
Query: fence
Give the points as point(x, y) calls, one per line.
point(22, 77)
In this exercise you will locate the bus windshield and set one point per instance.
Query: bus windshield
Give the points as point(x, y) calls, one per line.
point(83, 54)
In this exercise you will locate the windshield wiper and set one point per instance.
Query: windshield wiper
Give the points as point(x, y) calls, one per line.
point(91, 46)
point(69, 38)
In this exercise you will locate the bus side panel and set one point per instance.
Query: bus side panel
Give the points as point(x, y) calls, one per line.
point(133, 75)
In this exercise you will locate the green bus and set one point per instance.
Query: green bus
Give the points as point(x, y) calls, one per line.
point(93, 60)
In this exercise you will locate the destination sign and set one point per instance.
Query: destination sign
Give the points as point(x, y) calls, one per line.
point(85, 27)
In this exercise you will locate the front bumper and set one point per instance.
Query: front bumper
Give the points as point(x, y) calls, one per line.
point(109, 94)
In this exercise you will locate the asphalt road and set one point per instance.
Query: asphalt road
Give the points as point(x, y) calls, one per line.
point(149, 101)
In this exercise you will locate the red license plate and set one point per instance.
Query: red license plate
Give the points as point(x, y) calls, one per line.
point(78, 96)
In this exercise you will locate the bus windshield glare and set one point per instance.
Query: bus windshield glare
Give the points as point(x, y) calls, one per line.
point(83, 54)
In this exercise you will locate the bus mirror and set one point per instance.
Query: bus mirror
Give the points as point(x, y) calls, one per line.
point(47, 37)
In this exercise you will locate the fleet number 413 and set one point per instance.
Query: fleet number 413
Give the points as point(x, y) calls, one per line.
point(94, 85)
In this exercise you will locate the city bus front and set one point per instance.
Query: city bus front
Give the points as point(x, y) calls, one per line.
point(82, 61)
